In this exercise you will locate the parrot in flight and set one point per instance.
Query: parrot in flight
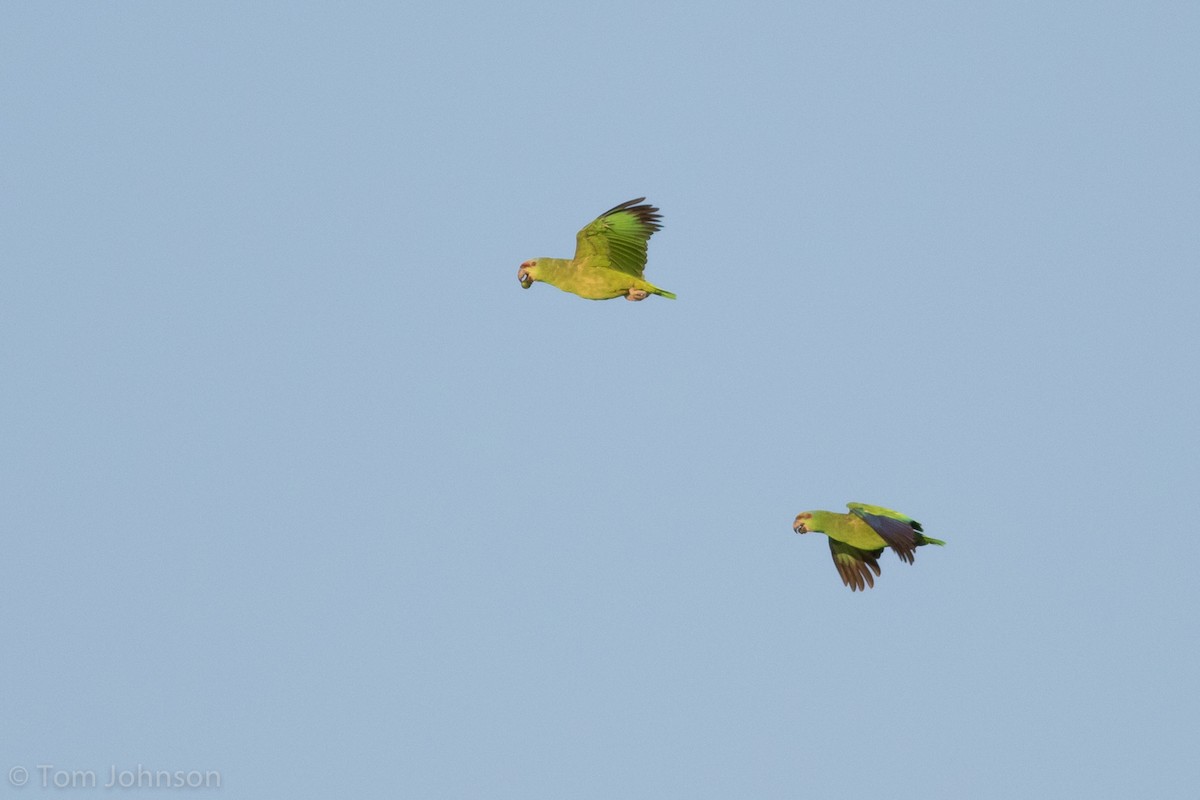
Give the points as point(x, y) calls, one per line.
point(857, 539)
point(610, 256)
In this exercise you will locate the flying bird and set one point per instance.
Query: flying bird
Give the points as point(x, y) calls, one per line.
point(857, 539)
point(610, 257)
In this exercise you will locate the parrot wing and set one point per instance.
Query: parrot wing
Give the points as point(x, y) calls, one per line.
point(897, 530)
point(617, 238)
point(855, 565)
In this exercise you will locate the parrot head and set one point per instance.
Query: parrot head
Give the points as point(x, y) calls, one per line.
point(803, 523)
point(527, 273)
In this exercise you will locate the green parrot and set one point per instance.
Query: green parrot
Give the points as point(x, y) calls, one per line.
point(610, 256)
point(857, 539)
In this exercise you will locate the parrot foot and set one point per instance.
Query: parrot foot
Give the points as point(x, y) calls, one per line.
point(637, 294)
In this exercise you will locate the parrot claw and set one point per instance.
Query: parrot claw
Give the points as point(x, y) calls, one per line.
point(637, 294)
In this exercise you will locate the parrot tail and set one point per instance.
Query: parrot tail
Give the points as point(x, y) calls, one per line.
point(931, 540)
point(664, 293)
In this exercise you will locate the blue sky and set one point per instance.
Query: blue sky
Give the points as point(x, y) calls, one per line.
point(298, 485)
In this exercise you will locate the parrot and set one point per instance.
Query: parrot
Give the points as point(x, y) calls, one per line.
point(610, 256)
point(857, 539)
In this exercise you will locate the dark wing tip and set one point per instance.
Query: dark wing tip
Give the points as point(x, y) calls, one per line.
point(648, 215)
point(857, 574)
point(851, 575)
point(900, 536)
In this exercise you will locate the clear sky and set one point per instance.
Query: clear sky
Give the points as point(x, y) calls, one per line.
point(298, 485)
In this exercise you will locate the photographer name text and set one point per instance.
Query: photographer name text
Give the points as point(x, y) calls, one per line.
point(50, 776)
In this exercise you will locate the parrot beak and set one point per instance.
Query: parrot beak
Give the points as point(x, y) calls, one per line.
point(799, 527)
point(523, 276)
